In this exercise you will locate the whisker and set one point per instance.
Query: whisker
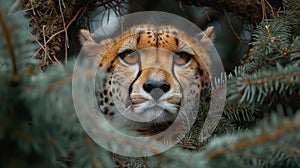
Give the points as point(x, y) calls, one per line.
point(129, 107)
point(183, 114)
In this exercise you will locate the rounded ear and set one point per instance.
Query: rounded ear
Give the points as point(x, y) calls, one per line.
point(208, 34)
point(89, 47)
point(94, 47)
point(204, 41)
point(85, 36)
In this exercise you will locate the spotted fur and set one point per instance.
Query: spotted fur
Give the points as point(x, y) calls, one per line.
point(131, 87)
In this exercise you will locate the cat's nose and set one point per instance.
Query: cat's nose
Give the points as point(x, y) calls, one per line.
point(156, 88)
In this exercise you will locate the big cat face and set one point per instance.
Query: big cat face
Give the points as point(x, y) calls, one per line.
point(153, 71)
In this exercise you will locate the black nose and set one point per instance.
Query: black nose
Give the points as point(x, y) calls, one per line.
point(156, 88)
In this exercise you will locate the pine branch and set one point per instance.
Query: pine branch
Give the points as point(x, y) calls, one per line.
point(8, 39)
point(293, 126)
point(295, 51)
point(38, 125)
point(89, 154)
point(14, 50)
point(257, 87)
point(274, 142)
point(245, 149)
point(240, 113)
point(273, 38)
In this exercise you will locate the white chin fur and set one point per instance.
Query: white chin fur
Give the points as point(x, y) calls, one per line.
point(149, 116)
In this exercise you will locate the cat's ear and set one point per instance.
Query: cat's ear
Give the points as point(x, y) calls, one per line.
point(94, 47)
point(204, 41)
point(208, 34)
point(85, 36)
point(90, 48)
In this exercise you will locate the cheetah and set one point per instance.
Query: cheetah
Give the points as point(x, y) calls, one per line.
point(152, 73)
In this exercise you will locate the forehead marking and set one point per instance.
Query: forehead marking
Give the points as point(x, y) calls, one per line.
point(158, 36)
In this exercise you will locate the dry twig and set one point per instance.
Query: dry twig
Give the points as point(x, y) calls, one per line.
point(62, 31)
point(65, 30)
point(231, 27)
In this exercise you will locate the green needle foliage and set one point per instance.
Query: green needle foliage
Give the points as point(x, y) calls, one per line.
point(39, 126)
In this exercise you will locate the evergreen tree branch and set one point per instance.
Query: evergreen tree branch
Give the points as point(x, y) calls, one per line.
point(91, 147)
point(240, 113)
point(12, 55)
point(258, 141)
point(257, 87)
point(273, 39)
point(270, 144)
point(39, 125)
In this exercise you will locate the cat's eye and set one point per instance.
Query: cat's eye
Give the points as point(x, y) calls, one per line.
point(182, 58)
point(130, 57)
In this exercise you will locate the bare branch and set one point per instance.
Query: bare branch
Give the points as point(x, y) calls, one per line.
point(253, 11)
